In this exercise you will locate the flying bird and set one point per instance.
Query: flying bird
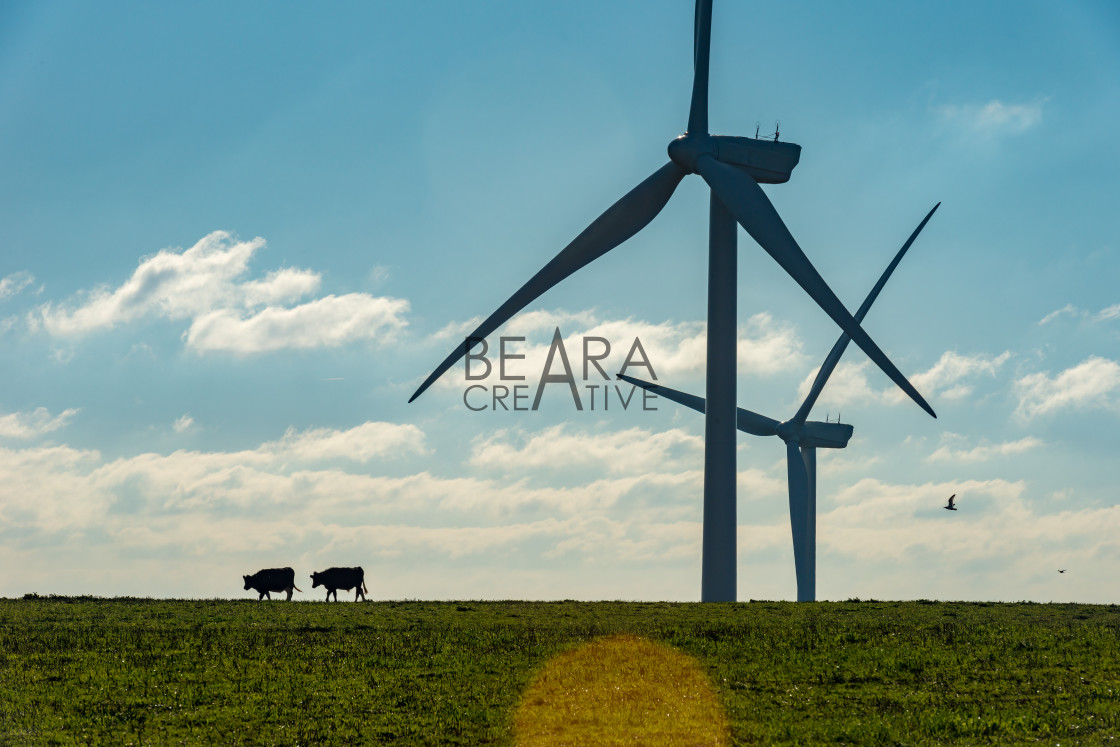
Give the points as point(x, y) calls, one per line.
point(1061, 570)
point(951, 507)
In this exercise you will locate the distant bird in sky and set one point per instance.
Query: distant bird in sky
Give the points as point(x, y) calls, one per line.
point(1061, 570)
point(951, 507)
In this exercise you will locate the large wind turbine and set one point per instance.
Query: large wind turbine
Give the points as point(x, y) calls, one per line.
point(802, 437)
point(732, 168)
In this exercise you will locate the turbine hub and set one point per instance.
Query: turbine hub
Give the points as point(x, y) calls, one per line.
point(790, 431)
point(687, 149)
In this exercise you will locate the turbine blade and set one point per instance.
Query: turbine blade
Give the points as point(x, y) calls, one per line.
point(874, 294)
point(841, 345)
point(745, 420)
point(701, 49)
point(630, 214)
point(754, 211)
point(755, 424)
point(695, 33)
point(798, 479)
point(691, 401)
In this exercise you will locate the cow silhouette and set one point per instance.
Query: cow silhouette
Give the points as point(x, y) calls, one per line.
point(272, 579)
point(341, 578)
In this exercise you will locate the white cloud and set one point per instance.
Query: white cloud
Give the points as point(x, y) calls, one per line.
point(1112, 312)
point(378, 274)
point(1015, 117)
point(1104, 315)
point(280, 286)
point(537, 324)
point(878, 522)
point(325, 322)
point(1093, 383)
point(205, 284)
point(837, 460)
point(59, 489)
point(633, 450)
point(169, 284)
point(953, 376)
point(654, 542)
point(981, 453)
point(191, 502)
point(848, 384)
point(26, 425)
point(14, 283)
point(456, 331)
point(768, 347)
point(949, 377)
point(1067, 310)
point(755, 484)
point(183, 423)
point(80, 521)
point(542, 322)
point(362, 443)
point(451, 542)
point(995, 116)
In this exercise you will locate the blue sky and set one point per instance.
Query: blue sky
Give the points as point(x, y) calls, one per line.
point(234, 239)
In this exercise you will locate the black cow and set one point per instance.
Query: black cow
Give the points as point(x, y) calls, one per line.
point(272, 579)
point(341, 578)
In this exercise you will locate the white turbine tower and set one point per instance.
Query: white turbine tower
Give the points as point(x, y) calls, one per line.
point(802, 437)
point(732, 167)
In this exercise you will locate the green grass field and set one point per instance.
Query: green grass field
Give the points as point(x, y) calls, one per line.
point(141, 671)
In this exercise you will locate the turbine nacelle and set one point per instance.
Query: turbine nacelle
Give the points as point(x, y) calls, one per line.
point(765, 161)
point(815, 434)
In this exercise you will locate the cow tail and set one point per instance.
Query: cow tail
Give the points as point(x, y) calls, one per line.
point(364, 589)
point(297, 588)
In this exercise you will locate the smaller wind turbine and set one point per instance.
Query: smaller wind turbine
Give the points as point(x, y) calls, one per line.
point(952, 503)
point(732, 167)
point(802, 437)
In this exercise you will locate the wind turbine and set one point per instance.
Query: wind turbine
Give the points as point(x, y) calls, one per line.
point(732, 167)
point(802, 437)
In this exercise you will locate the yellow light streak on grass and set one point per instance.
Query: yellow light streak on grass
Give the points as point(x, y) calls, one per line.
point(620, 690)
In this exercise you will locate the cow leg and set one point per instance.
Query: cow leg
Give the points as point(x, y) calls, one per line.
point(357, 592)
point(261, 595)
point(289, 590)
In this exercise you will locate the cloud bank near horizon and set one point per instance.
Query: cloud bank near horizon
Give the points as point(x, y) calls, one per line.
point(349, 495)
